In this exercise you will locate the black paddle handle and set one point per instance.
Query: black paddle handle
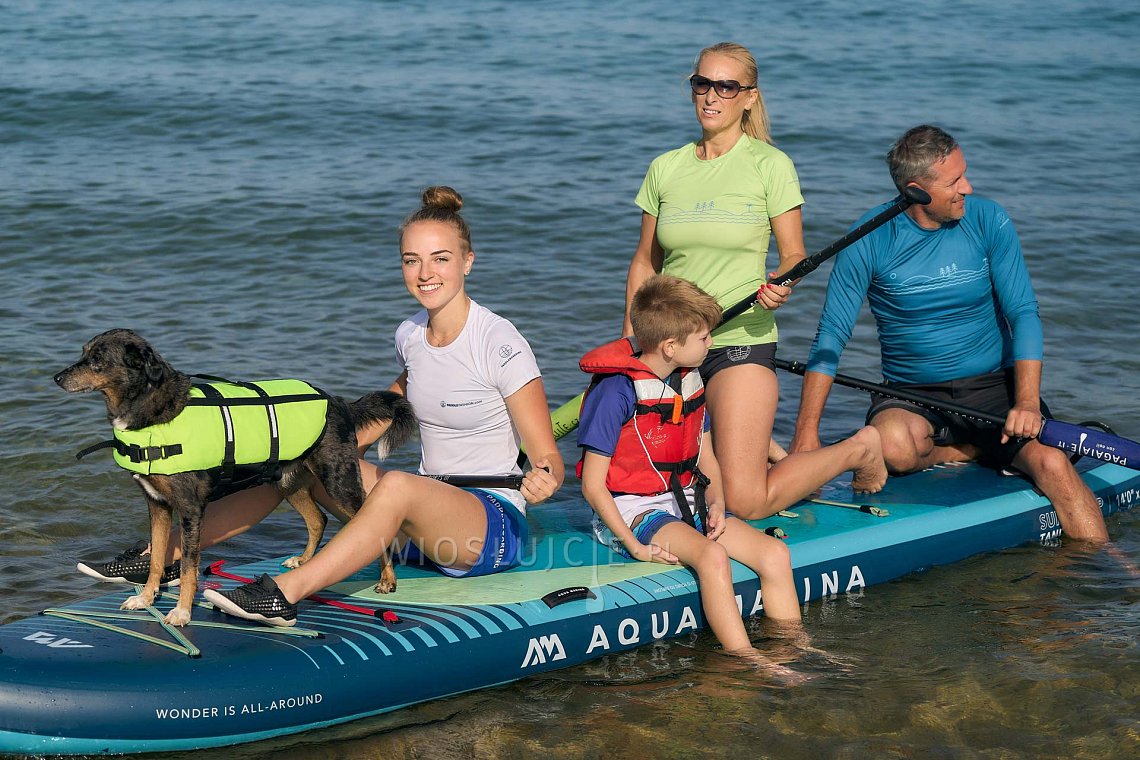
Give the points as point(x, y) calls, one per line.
point(910, 196)
point(799, 368)
point(480, 481)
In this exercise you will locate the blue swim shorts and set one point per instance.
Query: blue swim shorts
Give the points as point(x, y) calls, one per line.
point(650, 524)
point(503, 545)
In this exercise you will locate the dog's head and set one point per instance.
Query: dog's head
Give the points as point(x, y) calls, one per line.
point(118, 362)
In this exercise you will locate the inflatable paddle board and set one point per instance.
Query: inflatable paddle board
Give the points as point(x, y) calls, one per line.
point(89, 678)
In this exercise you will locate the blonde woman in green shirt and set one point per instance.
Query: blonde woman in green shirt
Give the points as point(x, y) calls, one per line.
point(709, 209)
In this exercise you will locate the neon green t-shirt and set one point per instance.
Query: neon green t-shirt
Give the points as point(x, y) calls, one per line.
point(713, 222)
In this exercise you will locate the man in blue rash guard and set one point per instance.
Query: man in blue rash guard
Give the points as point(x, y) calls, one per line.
point(957, 320)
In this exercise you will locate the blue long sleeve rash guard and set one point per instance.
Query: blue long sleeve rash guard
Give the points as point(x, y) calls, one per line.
point(949, 303)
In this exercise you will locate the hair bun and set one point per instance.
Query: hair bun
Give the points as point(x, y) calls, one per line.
point(442, 197)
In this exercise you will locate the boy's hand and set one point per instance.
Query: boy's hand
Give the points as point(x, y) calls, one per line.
point(649, 553)
point(539, 484)
point(716, 520)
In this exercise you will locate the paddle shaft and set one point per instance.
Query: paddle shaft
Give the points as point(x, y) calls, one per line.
point(799, 368)
point(565, 417)
point(480, 481)
point(1070, 438)
point(908, 198)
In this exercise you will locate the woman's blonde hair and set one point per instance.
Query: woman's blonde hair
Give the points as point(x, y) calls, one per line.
point(754, 122)
point(667, 307)
point(440, 203)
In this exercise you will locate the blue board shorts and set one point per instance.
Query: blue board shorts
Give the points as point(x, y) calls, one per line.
point(503, 544)
point(652, 522)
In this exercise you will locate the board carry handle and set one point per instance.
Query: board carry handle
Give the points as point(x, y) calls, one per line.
point(568, 594)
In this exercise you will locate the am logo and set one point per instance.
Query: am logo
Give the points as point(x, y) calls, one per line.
point(543, 648)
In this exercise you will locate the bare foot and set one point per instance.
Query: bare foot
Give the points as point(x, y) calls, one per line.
point(782, 673)
point(788, 641)
point(811, 653)
point(776, 452)
point(871, 472)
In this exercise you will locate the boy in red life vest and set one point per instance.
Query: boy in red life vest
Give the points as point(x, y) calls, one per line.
point(648, 468)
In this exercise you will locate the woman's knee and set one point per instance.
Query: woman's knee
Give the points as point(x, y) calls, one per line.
point(746, 496)
point(391, 492)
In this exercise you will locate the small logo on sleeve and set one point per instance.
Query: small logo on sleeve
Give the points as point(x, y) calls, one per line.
point(506, 353)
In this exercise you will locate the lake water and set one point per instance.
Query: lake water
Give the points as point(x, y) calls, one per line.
point(226, 178)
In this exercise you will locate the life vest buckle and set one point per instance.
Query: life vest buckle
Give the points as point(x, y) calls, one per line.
point(138, 453)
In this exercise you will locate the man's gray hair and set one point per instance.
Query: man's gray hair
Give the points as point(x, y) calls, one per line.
point(920, 148)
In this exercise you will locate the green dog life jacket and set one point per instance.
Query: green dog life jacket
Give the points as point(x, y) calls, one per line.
point(229, 428)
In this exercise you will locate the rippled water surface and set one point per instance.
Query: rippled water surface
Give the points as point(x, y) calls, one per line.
point(226, 178)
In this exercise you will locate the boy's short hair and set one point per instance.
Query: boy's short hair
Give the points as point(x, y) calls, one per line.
point(667, 307)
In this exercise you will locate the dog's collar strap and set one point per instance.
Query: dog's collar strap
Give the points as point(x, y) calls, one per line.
point(134, 452)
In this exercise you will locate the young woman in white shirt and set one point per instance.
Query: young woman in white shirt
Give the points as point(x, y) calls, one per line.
point(476, 389)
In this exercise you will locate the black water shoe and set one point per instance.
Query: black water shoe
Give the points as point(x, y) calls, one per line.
point(260, 600)
point(132, 566)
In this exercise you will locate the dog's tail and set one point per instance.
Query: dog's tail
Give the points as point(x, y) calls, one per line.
point(385, 406)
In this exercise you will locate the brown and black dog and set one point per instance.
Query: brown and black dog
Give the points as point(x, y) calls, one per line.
point(141, 389)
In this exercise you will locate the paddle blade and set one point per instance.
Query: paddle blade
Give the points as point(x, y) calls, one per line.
point(564, 419)
point(1090, 442)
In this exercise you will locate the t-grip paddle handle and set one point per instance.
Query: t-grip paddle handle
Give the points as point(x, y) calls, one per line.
point(909, 196)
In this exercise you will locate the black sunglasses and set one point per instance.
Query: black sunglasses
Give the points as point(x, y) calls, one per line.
point(726, 88)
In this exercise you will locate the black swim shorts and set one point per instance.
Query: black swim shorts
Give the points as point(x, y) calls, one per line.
point(763, 354)
point(992, 392)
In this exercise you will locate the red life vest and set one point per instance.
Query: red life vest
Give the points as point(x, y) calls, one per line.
point(663, 438)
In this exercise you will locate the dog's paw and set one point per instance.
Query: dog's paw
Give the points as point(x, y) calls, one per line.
point(178, 617)
point(294, 562)
point(385, 586)
point(137, 602)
